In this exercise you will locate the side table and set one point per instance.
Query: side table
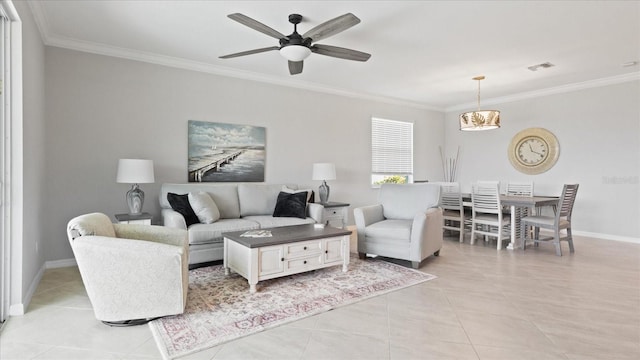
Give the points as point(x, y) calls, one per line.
point(335, 211)
point(143, 218)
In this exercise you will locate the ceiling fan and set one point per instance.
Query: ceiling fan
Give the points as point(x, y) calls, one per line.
point(295, 47)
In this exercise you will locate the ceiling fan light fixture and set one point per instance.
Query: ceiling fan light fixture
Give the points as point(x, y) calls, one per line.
point(479, 120)
point(295, 52)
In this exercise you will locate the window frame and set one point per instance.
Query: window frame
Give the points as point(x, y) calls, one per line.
point(381, 152)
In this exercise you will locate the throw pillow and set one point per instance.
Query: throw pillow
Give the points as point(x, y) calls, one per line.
point(204, 207)
point(180, 203)
point(291, 205)
point(310, 194)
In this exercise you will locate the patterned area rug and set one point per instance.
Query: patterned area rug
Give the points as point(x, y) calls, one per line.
point(220, 308)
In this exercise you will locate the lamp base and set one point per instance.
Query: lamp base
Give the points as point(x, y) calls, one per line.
point(135, 199)
point(323, 191)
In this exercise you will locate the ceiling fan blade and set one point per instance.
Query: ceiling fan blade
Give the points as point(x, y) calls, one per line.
point(332, 27)
point(249, 52)
point(295, 67)
point(255, 25)
point(340, 52)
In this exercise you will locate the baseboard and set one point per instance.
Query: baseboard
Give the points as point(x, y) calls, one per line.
point(61, 263)
point(19, 309)
point(607, 236)
point(16, 310)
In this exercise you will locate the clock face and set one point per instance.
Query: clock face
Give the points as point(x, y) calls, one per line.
point(533, 151)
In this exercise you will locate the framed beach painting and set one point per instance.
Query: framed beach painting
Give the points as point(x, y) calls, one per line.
point(220, 152)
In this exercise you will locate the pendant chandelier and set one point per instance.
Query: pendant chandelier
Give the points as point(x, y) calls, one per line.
point(480, 119)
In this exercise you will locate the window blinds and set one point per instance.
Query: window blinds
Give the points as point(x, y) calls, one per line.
point(391, 147)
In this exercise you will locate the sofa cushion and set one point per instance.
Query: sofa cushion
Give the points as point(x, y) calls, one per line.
point(258, 199)
point(291, 205)
point(390, 229)
point(210, 233)
point(180, 203)
point(224, 195)
point(204, 207)
point(268, 221)
point(404, 201)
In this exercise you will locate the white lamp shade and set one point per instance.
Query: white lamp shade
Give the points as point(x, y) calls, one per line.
point(324, 171)
point(295, 52)
point(135, 171)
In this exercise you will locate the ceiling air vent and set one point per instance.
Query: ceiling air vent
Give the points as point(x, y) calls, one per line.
point(545, 65)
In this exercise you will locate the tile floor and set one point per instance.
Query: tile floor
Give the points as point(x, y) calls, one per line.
point(486, 304)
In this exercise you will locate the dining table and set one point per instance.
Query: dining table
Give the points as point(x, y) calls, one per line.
point(516, 201)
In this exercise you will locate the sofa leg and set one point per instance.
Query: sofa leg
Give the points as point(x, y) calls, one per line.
point(437, 253)
point(362, 256)
point(415, 264)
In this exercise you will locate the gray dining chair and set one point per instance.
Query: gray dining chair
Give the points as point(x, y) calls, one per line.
point(560, 221)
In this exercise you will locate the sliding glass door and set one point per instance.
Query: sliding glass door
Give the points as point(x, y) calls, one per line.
point(4, 239)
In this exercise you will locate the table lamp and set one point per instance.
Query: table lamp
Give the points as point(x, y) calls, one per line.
point(135, 171)
point(324, 172)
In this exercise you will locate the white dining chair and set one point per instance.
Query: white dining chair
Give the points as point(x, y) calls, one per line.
point(561, 221)
point(487, 218)
point(519, 189)
point(451, 204)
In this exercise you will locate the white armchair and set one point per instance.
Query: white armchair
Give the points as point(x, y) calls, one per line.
point(406, 224)
point(132, 273)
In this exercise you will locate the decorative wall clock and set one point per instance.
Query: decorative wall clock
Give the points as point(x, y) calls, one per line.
point(534, 151)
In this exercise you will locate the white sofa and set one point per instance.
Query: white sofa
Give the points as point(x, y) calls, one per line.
point(405, 224)
point(242, 206)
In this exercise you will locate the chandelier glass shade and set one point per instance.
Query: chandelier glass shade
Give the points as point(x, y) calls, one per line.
point(479, 120)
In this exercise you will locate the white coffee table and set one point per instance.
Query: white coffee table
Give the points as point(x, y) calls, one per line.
point(290, 250)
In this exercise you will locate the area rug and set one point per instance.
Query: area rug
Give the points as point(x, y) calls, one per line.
point(220, 308)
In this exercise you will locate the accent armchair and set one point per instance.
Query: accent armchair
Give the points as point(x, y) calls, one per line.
point(132, 273)
point(406, 224)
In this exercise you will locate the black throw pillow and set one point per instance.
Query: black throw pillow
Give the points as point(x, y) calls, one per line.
point(291, 205)
point(180, 203)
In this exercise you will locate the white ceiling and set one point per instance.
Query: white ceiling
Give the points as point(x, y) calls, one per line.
point(424, 53)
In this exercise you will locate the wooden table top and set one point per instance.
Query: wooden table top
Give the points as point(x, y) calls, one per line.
point(286, 235)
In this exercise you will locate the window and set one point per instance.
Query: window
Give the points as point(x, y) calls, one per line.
point(391, 151)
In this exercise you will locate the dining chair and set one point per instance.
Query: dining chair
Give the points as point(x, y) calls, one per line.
point(518, 189)
point(487, 212)
point(451, 204)
point(561, 221)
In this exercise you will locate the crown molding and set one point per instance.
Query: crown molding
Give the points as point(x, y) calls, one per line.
point(618, 79)
point(40, 19)
point(101, 49)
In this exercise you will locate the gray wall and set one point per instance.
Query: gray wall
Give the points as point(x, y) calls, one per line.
point(100, 109)
point(599, 134)
point(34, 129)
